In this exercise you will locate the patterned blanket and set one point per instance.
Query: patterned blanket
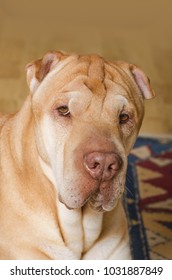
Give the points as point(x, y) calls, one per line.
point(148, 199)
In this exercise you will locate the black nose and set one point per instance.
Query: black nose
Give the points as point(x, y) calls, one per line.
point(102, 166)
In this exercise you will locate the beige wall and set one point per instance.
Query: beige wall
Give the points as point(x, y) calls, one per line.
point(136, 31)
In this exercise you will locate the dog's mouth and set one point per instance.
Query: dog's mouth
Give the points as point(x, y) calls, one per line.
point(96, 202)
point(106, 200)
point(103, 199)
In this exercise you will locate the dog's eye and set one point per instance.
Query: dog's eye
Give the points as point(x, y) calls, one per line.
point(63, 110)
point(123, 118)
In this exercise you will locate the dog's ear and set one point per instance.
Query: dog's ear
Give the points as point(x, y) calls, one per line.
point(142, 82)
point(37, 70)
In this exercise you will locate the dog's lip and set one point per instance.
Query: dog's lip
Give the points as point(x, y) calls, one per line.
point(68, 207)
point(73, 208)
point(102, 203)
point(99, 208)
point(103, 207)
point(62, 201)
point(97, 199)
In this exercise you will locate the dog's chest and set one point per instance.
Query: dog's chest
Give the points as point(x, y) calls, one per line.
point(80, 228)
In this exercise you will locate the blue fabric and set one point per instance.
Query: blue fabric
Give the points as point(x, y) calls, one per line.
point(138, 239)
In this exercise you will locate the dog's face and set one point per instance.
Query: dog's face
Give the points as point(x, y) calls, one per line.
point(87, 114)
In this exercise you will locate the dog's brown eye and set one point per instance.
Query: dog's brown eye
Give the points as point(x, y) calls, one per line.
point(63, 110)
point(123, 118)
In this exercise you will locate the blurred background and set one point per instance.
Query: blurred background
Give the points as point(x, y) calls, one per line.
point(136, 31)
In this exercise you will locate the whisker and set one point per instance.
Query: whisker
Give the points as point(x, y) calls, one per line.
point(128, 190)
point(130, 182)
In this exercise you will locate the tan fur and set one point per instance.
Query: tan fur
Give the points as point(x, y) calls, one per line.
point(51, 208)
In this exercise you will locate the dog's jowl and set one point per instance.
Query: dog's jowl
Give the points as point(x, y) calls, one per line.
point(63, 159)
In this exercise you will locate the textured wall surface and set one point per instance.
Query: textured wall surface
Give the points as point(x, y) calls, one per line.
point(135, 31)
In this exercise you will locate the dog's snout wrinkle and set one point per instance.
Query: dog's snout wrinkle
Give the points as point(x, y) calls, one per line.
point(101, 165)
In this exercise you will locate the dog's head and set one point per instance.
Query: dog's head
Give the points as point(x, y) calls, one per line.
point(87, 114)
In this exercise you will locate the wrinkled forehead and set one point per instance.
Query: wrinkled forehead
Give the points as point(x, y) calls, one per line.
point(92, 71)
point(87, 75)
